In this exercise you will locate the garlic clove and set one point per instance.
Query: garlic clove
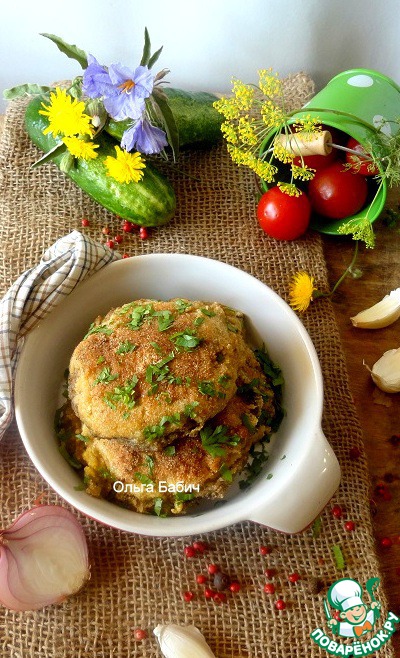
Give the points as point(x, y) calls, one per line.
point(386, 371)
point(381, 314)
point(182, 642)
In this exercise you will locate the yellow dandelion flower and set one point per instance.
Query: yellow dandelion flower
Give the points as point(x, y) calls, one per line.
point(66, 115)
point(301, 291)
point(125, 167)
point(79, 148)
point(289, 188)
point(246, 131)
point(243, 94)
point(303, 173)
point(269, 83)
point(280, 153)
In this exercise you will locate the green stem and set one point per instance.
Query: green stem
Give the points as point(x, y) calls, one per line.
point(346, 272)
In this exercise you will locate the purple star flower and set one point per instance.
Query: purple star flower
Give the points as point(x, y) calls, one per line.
point(96, 80)
point(130, 89)
point(144, 137)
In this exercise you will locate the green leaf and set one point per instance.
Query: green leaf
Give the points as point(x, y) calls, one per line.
point(70, 50)
point(146, 49)
point(154, 57)
point(167, 119)
point(28, 88)
point(57, 150)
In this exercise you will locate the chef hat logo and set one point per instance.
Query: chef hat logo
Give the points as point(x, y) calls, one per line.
point(345, 594)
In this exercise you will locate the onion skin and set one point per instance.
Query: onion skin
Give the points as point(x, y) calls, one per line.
point(43, 558)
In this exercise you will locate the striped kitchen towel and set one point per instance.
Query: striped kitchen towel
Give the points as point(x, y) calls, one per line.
point(70, 260)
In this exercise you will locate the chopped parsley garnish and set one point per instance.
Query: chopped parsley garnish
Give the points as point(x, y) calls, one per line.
point(226, 473)
point(255, 466)
point(139, 315)
point(98, 329)
point(152, 432)
point(182, 497)
point(105, 376)
point(189, 409)
point(149, 463)
point(207, 312)
point(214, 439)
point(143, 479)
point(269, 476)
point(158, 372)
point(158, 503)
point(186, 339)
point(101, 359)
point(181, 305)
point(198, 321)
point(232, 327)
point(83, 438)
point(170, 451)
point(104, 473)
point(156, 347)
point(247, 423)
point(165, 320)
point(207, 388)
point(269, 368)
point(122, 394)
point(125, 347)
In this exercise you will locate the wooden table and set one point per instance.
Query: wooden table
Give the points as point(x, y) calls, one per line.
point(380, 424)
point(380, 274)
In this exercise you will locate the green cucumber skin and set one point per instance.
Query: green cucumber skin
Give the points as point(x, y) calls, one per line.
point(196, 118)
point(150, 202)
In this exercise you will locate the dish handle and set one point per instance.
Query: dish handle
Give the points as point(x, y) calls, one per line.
point(304, 493)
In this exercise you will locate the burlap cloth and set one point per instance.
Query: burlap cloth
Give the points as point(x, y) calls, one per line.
point(138, 581)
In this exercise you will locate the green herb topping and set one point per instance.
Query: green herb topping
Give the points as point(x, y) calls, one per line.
point(181, 305)
point(122, 394)
point(187, 339)
point(207, 312)
point(214, 439)
point(126, 347)
point(158, 372)
point(143, 479)
point(139, 315)
point(165, 319)
point(189, 409)
point(226, 473)
point(152, 432)
point(105, 376)
point(98, 329)
point(170, 451)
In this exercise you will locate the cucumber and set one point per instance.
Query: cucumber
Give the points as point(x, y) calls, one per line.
point(196, 118)
point(150, 202)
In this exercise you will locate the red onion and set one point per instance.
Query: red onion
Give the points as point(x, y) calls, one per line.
point(43, 558)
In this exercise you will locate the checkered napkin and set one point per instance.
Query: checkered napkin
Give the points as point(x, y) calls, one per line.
point(66, 263)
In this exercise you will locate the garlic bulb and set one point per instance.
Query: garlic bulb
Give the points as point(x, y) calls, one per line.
point(381, 314)
point(386, 372)
point(182, 642)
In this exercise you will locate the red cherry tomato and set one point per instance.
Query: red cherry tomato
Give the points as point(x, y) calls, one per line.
point(282, 216)
point(336, 193)
point(359, 165)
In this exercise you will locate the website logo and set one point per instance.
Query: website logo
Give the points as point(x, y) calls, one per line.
point(348, 615)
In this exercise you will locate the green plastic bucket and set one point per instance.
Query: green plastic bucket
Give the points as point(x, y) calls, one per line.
point(369, 97)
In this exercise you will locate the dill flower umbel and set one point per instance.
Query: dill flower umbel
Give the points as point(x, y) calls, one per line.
point(80, 148)
point(251, 115)
point(125, 167)
point(66, 115)
point(301, 291)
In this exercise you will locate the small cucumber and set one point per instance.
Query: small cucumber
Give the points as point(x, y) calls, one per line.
point(150, 202)
point(196, 118)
